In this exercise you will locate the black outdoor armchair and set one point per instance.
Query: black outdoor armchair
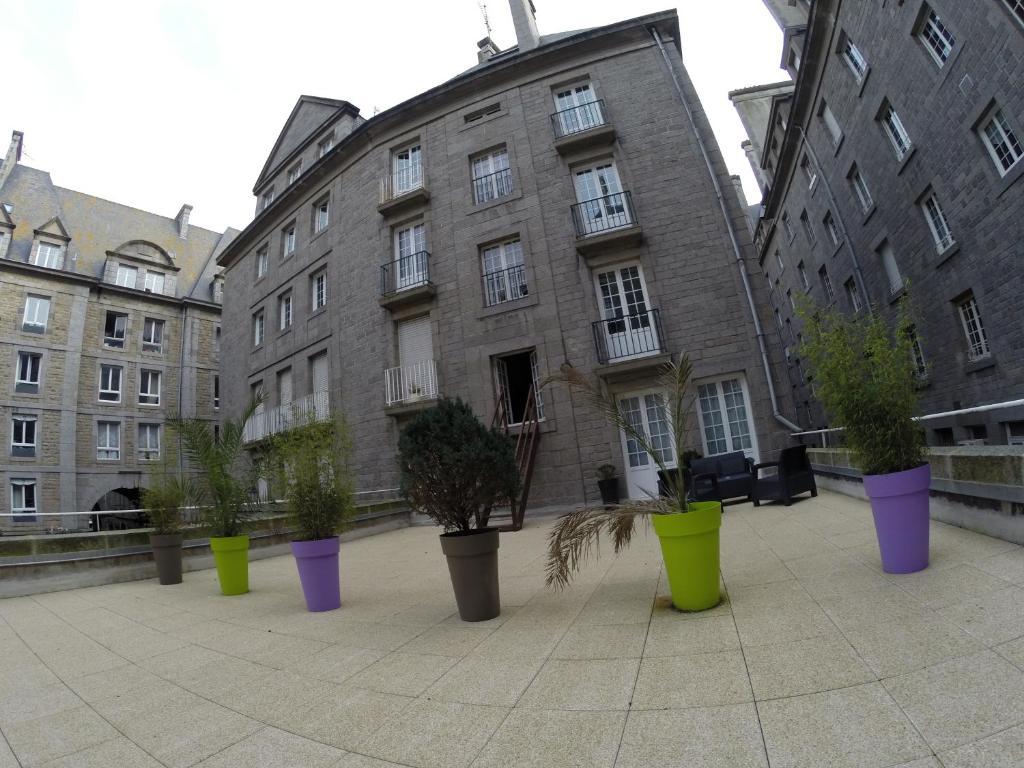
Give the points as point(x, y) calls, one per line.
point(714, 478)
point(793, 476)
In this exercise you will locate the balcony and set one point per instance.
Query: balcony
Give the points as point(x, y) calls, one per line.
point(406, 281)
point(493, 186)
point(410, 388)
point(582, 127)
point(401, 189)
point(311, 408)
point(505, 285)
point(630, 345)
point(606, 222)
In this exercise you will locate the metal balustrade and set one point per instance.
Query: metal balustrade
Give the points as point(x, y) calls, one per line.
point(311, 408)
point(628, 336)
point(405, 273)
point(401, 182)
point(577, 119)
point(505, 285)
point(492, 186)
point(603, 214)
point(410, 383)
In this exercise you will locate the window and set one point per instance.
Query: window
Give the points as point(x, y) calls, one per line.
point(933, 214)
point(267, 199)
point(977, 341)
point(148, 445)
point(126, 276)
point(831, 228)
point(576, 109)
point(257, 328)
point(503, 275)
point(492, 177)
point(261, 262)
point(778, 258)
point(1015, 432)
point(284, 310)
point(516, 376)
point(23, 500)
point(893, 127)
point(809, 174)
point(826, 284)
point(216, 339)
point(724, 417)
point(321, 215)
point(792, 301)
point(114, 329)
point(860, 189)
point(149, 387)
point(601, 203)
point(1016, 7)
point(855, 60)
point(23, 434)
point(778, 319)
point(892, 270)
point(325, 146)
point(803, 276)
point(319, 290)
point(48, 255)
point(37, 312)
point(152, 335)
point(216, 391)
point(406, 170)
point(788, 226)
point(917, 353)
point(411, 265)
point(936, 37)
point(853, 295)
point(294, 172)
point(805, 222)
point(154, 282)
point(829, 118)
point(288, 241)
point(28, 372)
point(108, 440)
point(1001, 142)
point(110, 383)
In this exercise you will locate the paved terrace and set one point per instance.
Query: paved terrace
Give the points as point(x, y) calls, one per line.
point(816, 659)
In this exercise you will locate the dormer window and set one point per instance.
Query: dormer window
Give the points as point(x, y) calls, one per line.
point(48, 255)
point(325, 146)
point(126, 276)
point(154, 281)
point(294, 171)
point(267, 199)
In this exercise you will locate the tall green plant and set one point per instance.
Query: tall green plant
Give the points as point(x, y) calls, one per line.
point(168, 492)
point(223, 482)
point(310, 464)
point(865, 376)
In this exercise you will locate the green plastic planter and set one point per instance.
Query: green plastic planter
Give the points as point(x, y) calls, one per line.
point(689, 546)
point(231, 553)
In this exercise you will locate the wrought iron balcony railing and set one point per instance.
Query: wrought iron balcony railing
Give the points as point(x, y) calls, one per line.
point(628, 336)
point(405, 273)
point(603, 214)
point(492, 186)
point(505, 285)
point(271, 421)
point(410, 383)
point(577, 119)
point(401, 182)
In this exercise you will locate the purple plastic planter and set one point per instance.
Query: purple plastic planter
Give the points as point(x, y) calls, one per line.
point(899, 504)
point(318, 571)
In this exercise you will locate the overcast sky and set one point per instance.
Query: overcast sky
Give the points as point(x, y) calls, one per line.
point(155, 104)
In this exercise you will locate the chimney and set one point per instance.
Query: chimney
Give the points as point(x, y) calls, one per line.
point(487, 49)
point(182, 219)
point(13, 156)
point(524, 18)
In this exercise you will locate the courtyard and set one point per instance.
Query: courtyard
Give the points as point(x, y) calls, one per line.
point(816, 658)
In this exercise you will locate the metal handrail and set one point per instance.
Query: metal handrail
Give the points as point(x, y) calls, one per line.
point(504, 285)
point(492, 186)
point(401, 182)
point(404, 273)
point(603, 214)
point(410, 383)
point(312, 407)
point(628, 336)
point(580, 118)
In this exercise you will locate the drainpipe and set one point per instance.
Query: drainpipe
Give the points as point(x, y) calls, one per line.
point(758, 330)
point(181, 381)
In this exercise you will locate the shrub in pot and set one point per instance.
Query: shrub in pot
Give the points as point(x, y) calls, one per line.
point(687, 530)
point(163, 499)
point(310, 464)
point(223, 481)
point(865, 376)
point(608, 484)
point(454, 469)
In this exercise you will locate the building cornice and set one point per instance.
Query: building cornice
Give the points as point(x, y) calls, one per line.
point(57, 274)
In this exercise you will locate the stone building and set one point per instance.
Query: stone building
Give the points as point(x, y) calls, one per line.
point(893, 159)
point(562, 201)
point(112, 322)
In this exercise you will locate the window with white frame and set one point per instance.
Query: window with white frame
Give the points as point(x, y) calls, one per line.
point(805, 222)
point(37, 312)
point(126, 276)
point(284, 310)
point(267, 199)
point(808, 171)
point(860, 189)
point(792, 301)
point(321, 215)
point(893, 127)
point(1001, 142)
point(406, 169)
point(48, 255)
point(855, 60)
point(258, 328)
point(935, 36)
point(830, 227)
point(148, 445)
point(325, 145)
point(828, 117)
point(778, 319)
point(261, 262)
point(974, 330)
point(152, 335)
point(23, 434)
point(892, 269)
point(294, 172)
point(937, 225)
point(154, 281)
point(778, 258)
point(149, 387)
point(29, 365)
point(110, 383)
point(115, 328)
point(724, 413)
point(23, 499)
point(492, 176)
point(319, 283)
point(803, 276)
point(503, 273)
point(853, 295)
point(788, 226)
point(826, 284)
point(108, 440)
point(288, 241)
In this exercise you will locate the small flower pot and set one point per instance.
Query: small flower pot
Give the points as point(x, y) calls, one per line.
point(167, 556)
point(609, 488)
point(231, 554)
point(473, 566)
point(317, 562)
point(689, 547)
point(899, 505)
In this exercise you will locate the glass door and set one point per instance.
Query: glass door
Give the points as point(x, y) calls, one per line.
point(599, 191)
point(646, 412)
point(407, 170)
point(626, 319)
point(577, 109)
point(410, 257)
point(725, 417)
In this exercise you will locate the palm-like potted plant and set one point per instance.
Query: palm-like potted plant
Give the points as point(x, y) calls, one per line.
point(865, 376)
point(687, 530)
point(165, 496)
point(310, 465)
point(454, 469)
point(223, 482)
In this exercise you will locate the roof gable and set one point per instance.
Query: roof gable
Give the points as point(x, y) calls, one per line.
point(5, 218)
point(54, 227)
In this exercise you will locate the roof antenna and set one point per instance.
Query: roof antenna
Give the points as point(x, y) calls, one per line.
point(487, 20)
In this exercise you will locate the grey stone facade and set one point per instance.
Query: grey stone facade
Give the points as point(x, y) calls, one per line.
point(943, 97)
point(678, 239)
point(68, 248)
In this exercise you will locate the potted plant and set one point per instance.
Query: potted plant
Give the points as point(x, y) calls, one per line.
point(687, 530)
point(310, 463)
point(222, 484)
point(163, 500)
point(453, 470)
point(866, 378)
point(608, 484)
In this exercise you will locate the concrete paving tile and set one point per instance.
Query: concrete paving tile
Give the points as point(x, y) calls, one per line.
point(518, 641)
point(572, 684)
point(486, 680)
point(712, 737)
point(1012, 651)
point(46, 738)
point(30, 704)
point(17, 680)
point(532, 738)
point(849, 728)
point(407, 674)
point(336, 663)
point(757, 598)
point(628, 609)
point(355, 760)
point(212, 679)
point(938, 588)
point(993, 618)
point(275, 698)
point(799, 667)
point(448, 640)
point(116, 753)
point(137, 704)
point(962, 700)
point(871, 606)
point(612, 641)
point(768, 572)
point(670, 635)
point(1008, 566)
point(273, 748)
point(702, 680)
point(783, 624)
point(435, 734)
point(903, 645)
point(1002, 750)
point(103, 685)
point(7, 759)
point(348, 716)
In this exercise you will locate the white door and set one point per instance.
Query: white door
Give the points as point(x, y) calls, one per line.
point(629, 330)
point(647, 412)
point(416, 358)
point(602, 204)
point(577, 108)
point(410, 257)
point(407, 170)
point(724, 413)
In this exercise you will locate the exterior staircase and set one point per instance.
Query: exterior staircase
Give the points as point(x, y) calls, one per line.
point(527, 437)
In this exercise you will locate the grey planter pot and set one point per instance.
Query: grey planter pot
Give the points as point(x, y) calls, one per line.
point(167, 556)
point(473, 566)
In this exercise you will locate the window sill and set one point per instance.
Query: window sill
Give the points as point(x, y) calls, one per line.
point(1012, 177)
point(989, 361)
point(508, 306)
point(838, 145)
point(906, 160)
point(868, 214)
point(23, 453)
point(477, 207)
point(108, 402)
point(284, 332)
point(948, 254)
point(112, 348)
point(21, 388)
point(897, 294)
point(863, 82)
point(35, 330)
point(317, 312)
point(317, 235)
point(837, 248)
